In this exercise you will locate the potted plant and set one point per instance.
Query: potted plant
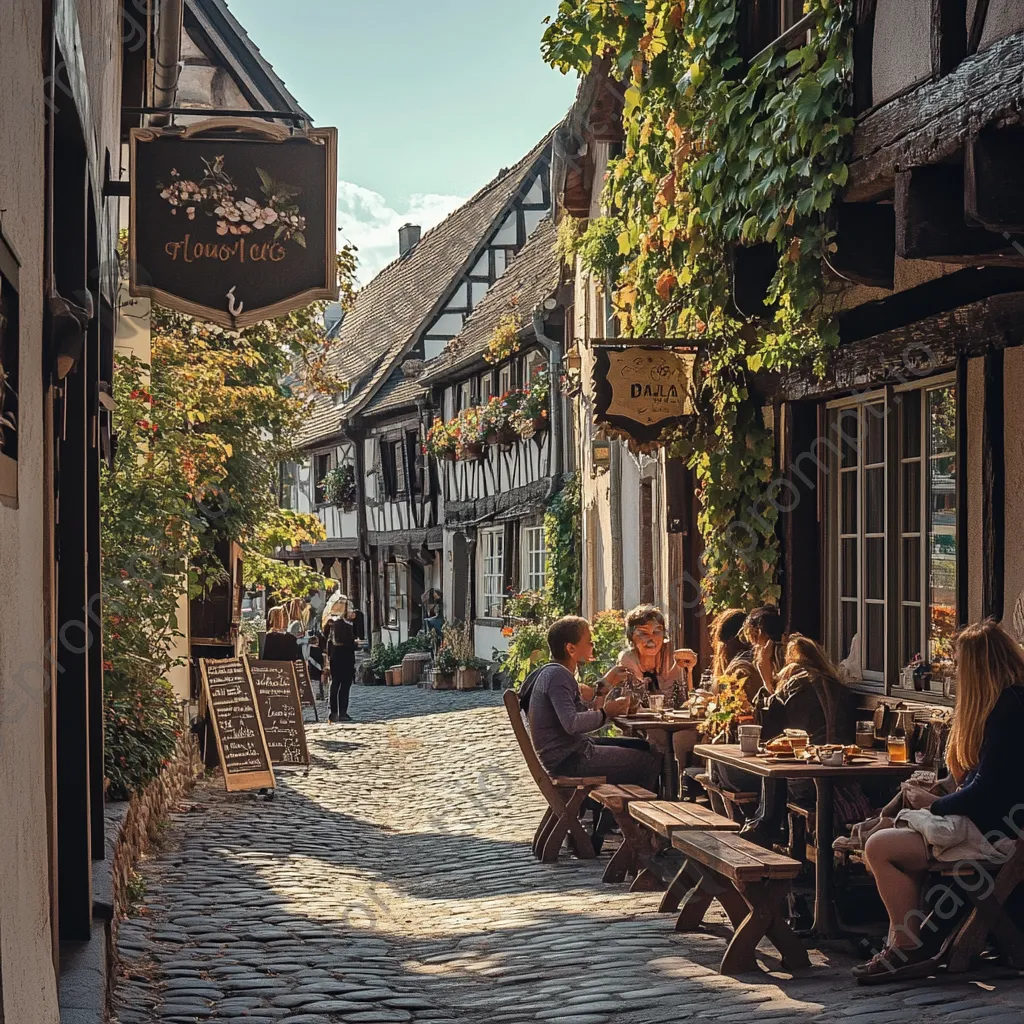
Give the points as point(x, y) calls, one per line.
point(470, 672)
point(340, 487)
point(446, 667)
point(441, 440)
point(725, 713)
point(470, 432)
point(504, 342)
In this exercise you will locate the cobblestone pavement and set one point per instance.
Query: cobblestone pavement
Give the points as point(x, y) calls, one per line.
point(394, 882)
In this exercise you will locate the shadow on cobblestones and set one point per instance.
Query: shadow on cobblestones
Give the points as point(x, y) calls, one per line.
point(394, 882)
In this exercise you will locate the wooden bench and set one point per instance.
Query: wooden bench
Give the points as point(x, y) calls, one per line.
point(988, 917)
point(565, 797)
point(728, 802)
point(629, 858)
point(752, 885)
point(664, 818)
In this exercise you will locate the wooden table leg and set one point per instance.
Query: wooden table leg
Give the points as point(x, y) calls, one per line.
point(826, 924)
point(663, 742)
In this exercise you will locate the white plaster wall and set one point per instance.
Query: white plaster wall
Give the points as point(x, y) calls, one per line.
point(902, 49)
point(1004, 18)
point(975, 421)
point(1013, 556)
point(487, 639)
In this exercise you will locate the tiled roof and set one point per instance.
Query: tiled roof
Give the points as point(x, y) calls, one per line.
point(397, 392)
point(531, 278)
point(251, 71)
point(395, 308)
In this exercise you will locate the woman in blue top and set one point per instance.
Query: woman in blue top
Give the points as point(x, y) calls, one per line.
point(985, 755)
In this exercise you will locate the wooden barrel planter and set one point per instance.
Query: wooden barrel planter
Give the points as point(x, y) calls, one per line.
point(442, 681)
point(467, 679)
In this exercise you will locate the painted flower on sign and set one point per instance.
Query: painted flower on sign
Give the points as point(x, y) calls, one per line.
point(215, 195)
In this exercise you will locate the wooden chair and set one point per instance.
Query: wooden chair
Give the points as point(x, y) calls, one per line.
point(988, 917)
point(565, 797)
point(752, 884)
point(663, 818)
point(631, 855)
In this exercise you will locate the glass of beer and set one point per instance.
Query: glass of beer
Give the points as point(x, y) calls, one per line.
point(897, 746)
point(865, 735)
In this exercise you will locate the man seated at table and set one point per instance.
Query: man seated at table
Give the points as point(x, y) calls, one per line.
point(560, 721)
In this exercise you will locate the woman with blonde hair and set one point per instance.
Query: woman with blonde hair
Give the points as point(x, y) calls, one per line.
point(280, 645)
point(972, 823)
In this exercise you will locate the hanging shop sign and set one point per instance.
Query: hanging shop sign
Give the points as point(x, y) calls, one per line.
point(233, 221)
point(641, 391)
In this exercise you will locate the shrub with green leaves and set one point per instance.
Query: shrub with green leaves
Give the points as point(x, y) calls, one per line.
point(141, 729)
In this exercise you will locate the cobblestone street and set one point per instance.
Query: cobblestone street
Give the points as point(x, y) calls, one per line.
point(395, 883)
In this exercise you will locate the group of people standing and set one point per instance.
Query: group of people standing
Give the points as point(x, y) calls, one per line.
point(326, 641)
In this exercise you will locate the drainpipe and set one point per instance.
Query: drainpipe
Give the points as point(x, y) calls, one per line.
point(167, 66)
point(554, 349)
point(615, 515)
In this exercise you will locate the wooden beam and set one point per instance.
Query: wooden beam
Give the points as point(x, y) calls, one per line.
point(918, 350)
point(993, 168)
point(930, 222)
point(993, 487)
point(977, 26)
point(948, 35)
point(963, 491)
point(934, 121)
point(866, 244)
point(863, 55)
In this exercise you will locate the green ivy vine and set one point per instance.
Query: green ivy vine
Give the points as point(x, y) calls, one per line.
point(562, 535)
point(720, 154)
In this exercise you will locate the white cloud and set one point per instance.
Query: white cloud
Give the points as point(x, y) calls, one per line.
point(369, 222)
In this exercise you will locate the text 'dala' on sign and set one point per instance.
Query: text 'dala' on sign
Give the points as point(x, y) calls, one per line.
point(233, 221)
point(639, 392)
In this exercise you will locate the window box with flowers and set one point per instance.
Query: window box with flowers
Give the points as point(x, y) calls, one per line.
point(497, 415)
point(339, 487)
point(531, 417)
point(442, 440)
point(470, 431)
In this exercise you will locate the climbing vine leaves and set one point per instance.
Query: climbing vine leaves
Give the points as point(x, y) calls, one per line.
point(722, 153)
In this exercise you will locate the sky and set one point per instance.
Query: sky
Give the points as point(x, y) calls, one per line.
point(431, 99)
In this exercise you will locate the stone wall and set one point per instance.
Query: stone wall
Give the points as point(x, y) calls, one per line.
point(134, 825)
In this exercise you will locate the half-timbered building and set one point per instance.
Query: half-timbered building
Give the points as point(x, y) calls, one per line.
point(494, 503)
point(907, 456)
point(385, 545)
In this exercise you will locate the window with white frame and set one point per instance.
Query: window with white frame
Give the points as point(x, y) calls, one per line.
point(894, 457)
point(492, 572)
point(535, 558)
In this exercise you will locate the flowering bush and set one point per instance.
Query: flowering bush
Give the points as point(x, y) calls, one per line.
point(141, 729)
point(215, 195)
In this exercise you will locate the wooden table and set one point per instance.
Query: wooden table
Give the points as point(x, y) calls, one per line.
point(826, 920)
point(659, 734)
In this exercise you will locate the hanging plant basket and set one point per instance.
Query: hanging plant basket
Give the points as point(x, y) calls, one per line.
point(503, 435)
point(473, 451)
point(540, 424)
point(450, 456)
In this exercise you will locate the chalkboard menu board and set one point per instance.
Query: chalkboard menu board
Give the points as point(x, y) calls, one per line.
point(241, 743)
point(277, 697)
point(306, 687)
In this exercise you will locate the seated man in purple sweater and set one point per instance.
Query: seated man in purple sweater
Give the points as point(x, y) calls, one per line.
point(560, 720)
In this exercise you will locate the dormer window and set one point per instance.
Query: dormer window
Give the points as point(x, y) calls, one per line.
point(343, 395)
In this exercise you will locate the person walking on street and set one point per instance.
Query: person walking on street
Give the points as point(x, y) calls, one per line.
point(342, 652)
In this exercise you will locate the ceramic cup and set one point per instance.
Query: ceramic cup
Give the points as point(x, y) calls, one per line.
point(750, 737)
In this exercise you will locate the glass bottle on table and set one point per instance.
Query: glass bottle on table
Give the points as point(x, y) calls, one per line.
point(897, 743)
